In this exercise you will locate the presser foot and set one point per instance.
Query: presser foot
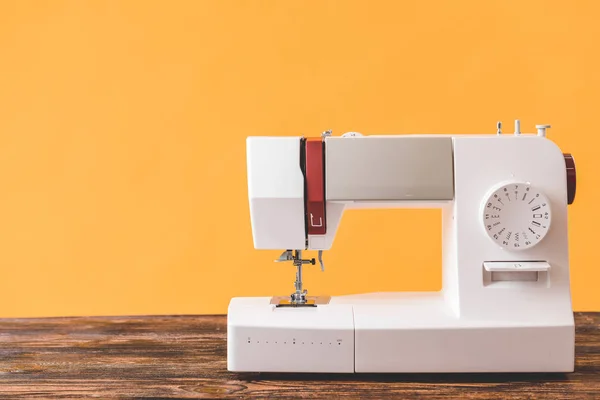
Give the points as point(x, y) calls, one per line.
point(299, 298)
point(307, 301)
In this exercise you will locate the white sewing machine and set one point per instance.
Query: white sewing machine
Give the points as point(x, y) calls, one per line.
point(505, 305)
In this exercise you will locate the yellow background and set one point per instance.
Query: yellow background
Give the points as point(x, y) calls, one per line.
point(122, 127)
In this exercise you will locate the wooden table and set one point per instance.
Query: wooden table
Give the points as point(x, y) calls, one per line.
point(185, 357)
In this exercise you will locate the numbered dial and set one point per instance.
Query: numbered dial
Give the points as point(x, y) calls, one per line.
point(516, 216)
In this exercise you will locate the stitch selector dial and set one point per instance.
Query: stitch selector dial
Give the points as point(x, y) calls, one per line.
point(516, 216)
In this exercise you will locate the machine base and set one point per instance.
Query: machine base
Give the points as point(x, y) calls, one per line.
point(355, 335)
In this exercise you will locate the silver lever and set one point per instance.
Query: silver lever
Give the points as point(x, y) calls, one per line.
point(320, 257)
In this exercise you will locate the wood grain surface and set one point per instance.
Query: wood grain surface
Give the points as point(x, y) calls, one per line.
point(185, 357)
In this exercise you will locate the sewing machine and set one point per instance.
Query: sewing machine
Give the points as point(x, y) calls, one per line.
point(505, 302)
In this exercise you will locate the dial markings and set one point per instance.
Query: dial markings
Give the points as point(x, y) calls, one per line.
point(511, 206)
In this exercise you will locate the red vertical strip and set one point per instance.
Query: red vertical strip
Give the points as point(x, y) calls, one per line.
point(571, 178)
point(315, 187)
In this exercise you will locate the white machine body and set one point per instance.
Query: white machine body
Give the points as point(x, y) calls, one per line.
point(505, 303)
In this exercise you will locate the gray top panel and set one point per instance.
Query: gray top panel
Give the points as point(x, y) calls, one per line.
point(389, 168)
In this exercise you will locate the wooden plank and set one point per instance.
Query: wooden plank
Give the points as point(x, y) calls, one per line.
point(185, 357)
